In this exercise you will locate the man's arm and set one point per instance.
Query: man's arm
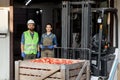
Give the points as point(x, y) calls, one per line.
point(22, 48)
point(38, 48)
point(41, 41)
point(55, 41)
point(22, 43)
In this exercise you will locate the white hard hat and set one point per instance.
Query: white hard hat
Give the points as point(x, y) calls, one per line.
point(30, 21)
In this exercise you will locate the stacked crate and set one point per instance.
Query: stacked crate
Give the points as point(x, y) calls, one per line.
point(31, 70)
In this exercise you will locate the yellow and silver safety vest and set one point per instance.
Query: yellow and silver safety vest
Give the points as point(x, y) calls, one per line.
point(30, 46)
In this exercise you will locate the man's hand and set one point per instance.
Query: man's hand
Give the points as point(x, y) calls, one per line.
point(23, 55)
point(42, 47)
point(51, 47)
point(38, 54)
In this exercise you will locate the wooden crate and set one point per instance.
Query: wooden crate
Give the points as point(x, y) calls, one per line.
point(26, 70)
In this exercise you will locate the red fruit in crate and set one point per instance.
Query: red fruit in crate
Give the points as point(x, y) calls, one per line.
point(57, 61)
point(43, 60)
point(51, 60)
point(62, 61)
point(69, 62)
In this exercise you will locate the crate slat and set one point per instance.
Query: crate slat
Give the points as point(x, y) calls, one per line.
point(81, 71)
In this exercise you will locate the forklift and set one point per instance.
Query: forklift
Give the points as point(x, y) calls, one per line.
point(103, 48)
point(99, 48)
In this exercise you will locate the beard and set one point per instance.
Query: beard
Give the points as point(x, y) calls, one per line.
point(31, 29)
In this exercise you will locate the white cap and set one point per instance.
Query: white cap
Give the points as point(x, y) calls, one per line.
point(30, 21)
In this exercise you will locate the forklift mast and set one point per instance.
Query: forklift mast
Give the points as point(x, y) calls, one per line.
point(86, 25)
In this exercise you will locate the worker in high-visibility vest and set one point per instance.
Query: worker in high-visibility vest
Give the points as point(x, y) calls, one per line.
point(48, 42)
point(29, 42)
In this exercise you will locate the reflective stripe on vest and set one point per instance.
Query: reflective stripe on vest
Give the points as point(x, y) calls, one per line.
point(30, 46)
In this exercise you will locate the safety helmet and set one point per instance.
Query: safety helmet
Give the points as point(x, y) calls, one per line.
point(30, 21)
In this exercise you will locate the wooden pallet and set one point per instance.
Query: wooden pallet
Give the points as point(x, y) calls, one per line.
point(26, 70)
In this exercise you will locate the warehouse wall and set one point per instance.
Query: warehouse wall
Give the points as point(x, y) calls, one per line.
point(117, 5)
point(4, 57)
point(4, 53)
point(4, 3)
point(4, 49)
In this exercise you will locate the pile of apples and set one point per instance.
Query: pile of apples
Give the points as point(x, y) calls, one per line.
point(54, 61)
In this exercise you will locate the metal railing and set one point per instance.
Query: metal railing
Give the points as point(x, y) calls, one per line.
point(72, 53)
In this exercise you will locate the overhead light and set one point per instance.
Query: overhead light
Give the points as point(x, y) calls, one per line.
point(27, 2)
point(41, 10)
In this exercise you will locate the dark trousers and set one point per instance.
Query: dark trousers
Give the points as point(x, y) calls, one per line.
point(30, 56)
point(47, 53)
